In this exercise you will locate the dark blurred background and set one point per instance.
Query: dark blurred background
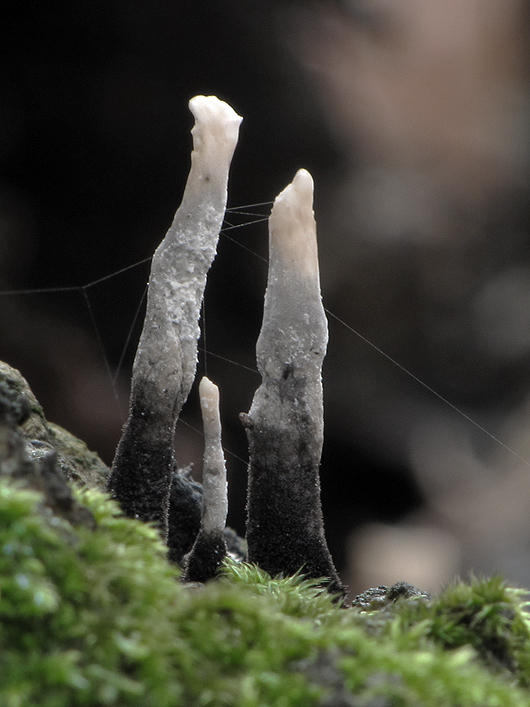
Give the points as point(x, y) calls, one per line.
point(412, 116)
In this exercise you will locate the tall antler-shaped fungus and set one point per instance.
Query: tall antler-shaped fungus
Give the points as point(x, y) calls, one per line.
point(166, 360)
point(285, 531)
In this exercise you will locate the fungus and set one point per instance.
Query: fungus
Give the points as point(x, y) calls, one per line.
point(285, 531)
point(210, 549)
point(166, 359)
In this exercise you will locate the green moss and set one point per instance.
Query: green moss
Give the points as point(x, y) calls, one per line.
point(78, 610)
point(484, 614)
point(94, 618)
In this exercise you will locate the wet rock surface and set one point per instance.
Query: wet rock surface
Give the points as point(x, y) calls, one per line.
point(34, 454)
point(381, 596)
point(39, 437)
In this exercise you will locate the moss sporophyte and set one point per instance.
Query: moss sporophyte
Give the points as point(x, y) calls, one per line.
point(109, 601)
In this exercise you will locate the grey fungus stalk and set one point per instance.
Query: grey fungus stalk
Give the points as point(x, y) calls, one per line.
point(166, 359)
point(209, 549)
point(214, 489)
point(285, 531)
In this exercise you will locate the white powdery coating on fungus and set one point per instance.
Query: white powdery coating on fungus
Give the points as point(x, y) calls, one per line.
point(294, 330)
point(215, 136)
point(293, 242)
point(215, 494)
point(167, 352)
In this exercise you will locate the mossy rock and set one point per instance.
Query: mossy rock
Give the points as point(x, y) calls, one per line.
point(77, 462)
point(92, 613)
point(99, 617)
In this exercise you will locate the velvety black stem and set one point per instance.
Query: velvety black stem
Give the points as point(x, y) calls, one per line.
point(206, 557)
point(285, 529)
point(144, 460)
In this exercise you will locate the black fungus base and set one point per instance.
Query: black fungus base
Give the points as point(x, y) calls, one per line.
point(285, 529)
point(184, 520)
point(140, 478)
point(206, 557)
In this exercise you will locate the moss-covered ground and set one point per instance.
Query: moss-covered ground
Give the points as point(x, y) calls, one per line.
point(99, 617)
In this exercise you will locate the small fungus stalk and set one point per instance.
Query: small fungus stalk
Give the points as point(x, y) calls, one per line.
point(285, 531)
point(214, 489)
point(166, 359)
point(209, 549)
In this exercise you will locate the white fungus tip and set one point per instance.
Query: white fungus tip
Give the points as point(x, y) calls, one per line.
point(209, 396)
point(297, 195)
point(206, 385)
point(215, 135)
point(212, 110)
point(292, 226)
point(303, 184)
